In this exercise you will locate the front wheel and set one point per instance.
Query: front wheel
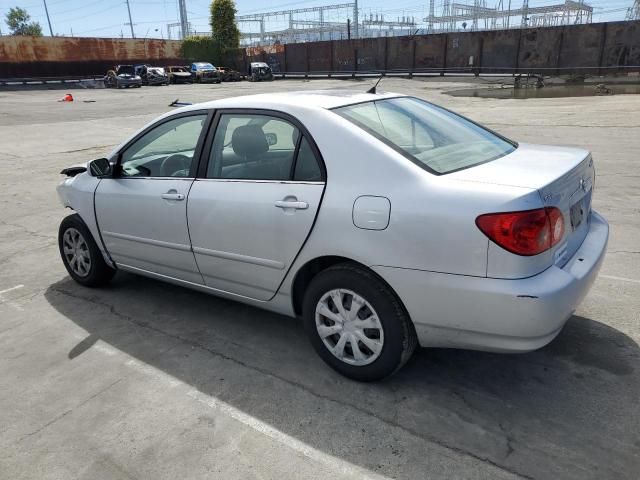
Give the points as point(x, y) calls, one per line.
point(357, 324)
point(80, 253)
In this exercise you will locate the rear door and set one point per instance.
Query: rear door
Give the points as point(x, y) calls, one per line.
point(254, 202)
point(142, 213)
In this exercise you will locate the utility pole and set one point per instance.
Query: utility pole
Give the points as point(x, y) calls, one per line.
point(184, 22)
point(133, 35)
point(46, 10)
point(355, 20)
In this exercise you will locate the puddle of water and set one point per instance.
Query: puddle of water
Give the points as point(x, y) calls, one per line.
point(554, 91)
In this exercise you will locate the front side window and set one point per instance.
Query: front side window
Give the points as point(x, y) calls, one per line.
point(434, 138)
point(165, 151)
point(253, 147)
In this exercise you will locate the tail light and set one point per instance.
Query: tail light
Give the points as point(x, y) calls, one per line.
point(524, 233)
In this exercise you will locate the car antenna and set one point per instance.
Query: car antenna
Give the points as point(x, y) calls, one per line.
point(178, 103)
point(373, 89)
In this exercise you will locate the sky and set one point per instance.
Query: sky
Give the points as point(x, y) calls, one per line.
point(109, 18)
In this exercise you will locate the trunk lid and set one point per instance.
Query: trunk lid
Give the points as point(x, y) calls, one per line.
point(564, 177)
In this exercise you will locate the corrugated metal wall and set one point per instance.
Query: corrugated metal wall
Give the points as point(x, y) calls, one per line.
point(571, 49)
point(47, 56)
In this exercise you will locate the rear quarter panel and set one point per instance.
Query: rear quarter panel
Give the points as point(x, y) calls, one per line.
point(432, 220)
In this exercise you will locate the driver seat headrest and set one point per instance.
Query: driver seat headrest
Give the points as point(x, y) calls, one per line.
point(249, 141)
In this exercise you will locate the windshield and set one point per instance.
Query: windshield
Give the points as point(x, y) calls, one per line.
point(204, 66)
point(436, 139)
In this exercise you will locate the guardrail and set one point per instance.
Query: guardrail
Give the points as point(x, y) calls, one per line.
point(71, 80)
point(407, 73)
point(459, 71)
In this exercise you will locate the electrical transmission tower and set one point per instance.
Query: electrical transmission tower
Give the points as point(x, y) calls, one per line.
point(432, 14)
point(299, 26)
point(184, 22)
point(634, 11)
point(571, 12)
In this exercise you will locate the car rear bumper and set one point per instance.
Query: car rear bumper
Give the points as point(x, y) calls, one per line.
point(520, 315)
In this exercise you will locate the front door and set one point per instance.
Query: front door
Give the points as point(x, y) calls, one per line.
point(142, 213)
point(253, 209)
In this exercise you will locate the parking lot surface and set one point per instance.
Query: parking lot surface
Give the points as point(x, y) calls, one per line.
point(147, 380)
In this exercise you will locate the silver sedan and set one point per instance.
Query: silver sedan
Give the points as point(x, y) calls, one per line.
point(383, 221)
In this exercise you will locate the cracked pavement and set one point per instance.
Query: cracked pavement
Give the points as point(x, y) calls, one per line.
point(147, 380)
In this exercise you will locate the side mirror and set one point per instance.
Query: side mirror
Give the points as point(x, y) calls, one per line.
point(100, 167)
point(272, 138)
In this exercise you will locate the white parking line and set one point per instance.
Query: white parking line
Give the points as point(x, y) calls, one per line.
point(11, 289)
point(341, 466)
point(621, 279)
point(9, 302)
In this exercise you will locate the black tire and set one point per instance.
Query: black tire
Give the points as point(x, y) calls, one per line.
point(99, 273)
point(400, 339)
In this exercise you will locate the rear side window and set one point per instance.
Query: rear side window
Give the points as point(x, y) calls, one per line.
point(307, 168)
point(252, 147)
point(434, 138)
point(261, 147)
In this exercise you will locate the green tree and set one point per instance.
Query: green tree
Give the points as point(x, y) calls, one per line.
point(223, 25)
point(18, 21)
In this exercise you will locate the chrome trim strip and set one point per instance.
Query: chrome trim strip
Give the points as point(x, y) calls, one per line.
point(148, 241)
point(136, 177)
point(240, 180)
point(263, 262)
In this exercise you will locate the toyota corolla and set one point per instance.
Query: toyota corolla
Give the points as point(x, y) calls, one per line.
point(383, 221)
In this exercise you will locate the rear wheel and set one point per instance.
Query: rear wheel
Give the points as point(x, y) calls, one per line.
point(80, 253)
point(357, 324)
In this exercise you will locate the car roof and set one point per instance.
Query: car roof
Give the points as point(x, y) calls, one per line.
point(325, 99)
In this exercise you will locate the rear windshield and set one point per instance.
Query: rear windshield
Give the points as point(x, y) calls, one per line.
point(436, 139)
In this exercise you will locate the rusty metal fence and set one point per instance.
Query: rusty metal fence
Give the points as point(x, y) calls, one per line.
point(593, 48)
point(579, 49)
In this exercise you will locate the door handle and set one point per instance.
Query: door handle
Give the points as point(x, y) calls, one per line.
point(292, 204)
point(172, 195)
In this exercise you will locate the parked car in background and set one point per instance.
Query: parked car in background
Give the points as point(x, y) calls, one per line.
point(382, 220)
point(178, 74)
point(152, 75)
point(122, 76)
point(203, 72)
point(259, 71)
point(229, 74)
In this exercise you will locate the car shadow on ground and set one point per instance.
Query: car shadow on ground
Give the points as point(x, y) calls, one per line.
point(570, 409)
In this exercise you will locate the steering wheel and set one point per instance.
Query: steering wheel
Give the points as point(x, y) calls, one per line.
point(176, 165)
